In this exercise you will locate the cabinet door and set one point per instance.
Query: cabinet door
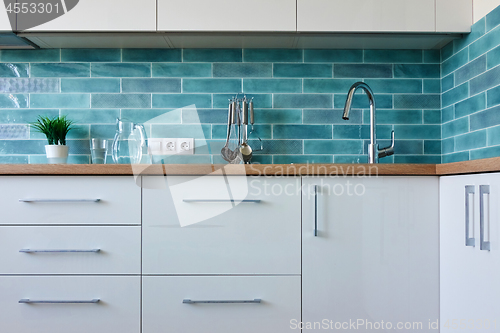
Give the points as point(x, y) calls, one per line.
point(222, 309)
point(366, 15)
point(101, 15)
point(375, 254)
point(226, 15)
point(4, 19)
point(469, 276)
point(454, 15)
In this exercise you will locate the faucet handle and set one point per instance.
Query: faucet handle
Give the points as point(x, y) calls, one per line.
point(387, 151)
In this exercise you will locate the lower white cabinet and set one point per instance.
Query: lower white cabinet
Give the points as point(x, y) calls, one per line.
point(118, 308)
point(370, 253)
point(220, 304)
point(469, 256)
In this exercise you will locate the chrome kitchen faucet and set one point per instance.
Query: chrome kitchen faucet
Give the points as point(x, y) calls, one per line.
point(373, 152)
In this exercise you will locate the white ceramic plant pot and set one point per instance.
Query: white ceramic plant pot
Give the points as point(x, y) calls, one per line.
point(56, 154)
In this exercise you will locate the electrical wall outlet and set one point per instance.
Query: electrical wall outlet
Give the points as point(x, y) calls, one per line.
point(185, 146)
point(171, 146)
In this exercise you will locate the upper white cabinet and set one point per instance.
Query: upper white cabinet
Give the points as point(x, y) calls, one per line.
point(227, 15)
point(453, 15)
point(366, 15)
point(384, 15)
point(4, 19)
point(101, 15)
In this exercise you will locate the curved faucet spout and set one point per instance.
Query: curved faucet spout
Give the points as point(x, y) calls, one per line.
point(373, 151)
point(350, 96)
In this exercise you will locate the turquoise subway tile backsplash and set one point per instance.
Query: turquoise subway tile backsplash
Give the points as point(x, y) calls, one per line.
point(442, 104)
point(471, 113)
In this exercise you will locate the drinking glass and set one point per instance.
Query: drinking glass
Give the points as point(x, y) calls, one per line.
point(98, 150)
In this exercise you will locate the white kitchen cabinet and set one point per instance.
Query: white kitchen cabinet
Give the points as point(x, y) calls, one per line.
point(4, 20)
point(469, 225)
point(454, 15)
point(118, 309)
point(222, 310)
point(366, 16)
point(101, 15)
point(226, 15)
point(221, 225)
point(61, 200)
point(370, 252)
point(70, 250)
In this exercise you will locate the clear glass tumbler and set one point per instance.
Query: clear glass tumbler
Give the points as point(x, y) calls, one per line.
point(98, 150)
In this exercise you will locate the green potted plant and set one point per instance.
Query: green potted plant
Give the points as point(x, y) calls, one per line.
point(55, 129)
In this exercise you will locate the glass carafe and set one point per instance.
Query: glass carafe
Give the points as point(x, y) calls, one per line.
point(128, 143)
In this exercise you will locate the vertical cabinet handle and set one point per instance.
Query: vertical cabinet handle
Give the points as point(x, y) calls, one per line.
point(469, 241)
point(483, 189)
point(316, 210)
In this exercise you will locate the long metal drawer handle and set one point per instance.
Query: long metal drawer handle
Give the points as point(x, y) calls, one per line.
point(59, 200)
point(469, 241)
point(221, 200)
point(483, 189)
point(29, 301)
point(59, 251)
point(188, 301)
point(316, 210)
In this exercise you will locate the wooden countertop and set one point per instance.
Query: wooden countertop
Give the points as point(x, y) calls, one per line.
point(476, 166)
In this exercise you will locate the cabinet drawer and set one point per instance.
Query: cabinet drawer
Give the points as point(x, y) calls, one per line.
point(70, 250)
point(163, 300)
point(70, 200)
point(117, 311)
point(192, 227)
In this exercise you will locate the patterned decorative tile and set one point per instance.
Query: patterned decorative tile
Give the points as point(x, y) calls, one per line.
point(485, 81)
point(472, 69)
point(32, 85)
point(424, 101)
point(14, 132)
point(416, 71)
point(484, 119)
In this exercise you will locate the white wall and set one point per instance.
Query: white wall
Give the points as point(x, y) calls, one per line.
point(483, 7)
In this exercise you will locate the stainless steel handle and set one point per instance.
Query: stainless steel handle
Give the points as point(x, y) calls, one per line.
point(59, 251)
point(469, 241)
point(188, 301)
point(29, 301)
point(219, 201)
point(316, 210)
point(483, 189)
point(251, 113)
point(59, 200)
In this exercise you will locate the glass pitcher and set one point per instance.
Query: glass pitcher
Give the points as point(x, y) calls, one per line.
point(129, 143)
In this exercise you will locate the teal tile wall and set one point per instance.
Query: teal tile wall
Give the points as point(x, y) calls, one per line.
point(298, 95)
point(470, 83)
